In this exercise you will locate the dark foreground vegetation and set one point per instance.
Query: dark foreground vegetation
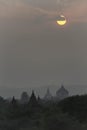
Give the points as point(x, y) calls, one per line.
point(68, 114)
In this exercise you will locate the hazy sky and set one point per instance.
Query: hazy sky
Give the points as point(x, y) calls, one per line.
point(34, 50)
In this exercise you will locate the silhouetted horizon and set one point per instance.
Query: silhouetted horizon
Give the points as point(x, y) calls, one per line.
point(41, 90)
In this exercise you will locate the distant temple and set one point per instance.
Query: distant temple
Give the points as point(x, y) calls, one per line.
point(48, 95)
point(24, 98)
point(62, 93)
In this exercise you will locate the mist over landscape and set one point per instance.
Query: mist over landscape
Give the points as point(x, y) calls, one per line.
point(35, 51)
point(43, 65)
point(8, 92)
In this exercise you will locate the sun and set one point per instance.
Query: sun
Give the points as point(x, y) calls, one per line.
point(61, 20)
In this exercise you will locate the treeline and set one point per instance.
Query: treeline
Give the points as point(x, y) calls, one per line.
point(75, 106)
point(36, 114)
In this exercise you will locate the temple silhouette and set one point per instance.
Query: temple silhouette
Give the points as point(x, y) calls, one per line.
point(60, 94)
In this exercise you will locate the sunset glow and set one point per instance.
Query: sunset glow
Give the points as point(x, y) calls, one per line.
point(62, 21)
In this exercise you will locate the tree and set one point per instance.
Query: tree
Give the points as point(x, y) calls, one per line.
point(33, 101)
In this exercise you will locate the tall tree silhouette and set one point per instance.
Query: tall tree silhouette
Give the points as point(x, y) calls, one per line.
point(14, 102)
point(33, 100)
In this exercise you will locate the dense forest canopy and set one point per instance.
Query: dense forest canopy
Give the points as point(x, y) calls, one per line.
point(37, 114)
